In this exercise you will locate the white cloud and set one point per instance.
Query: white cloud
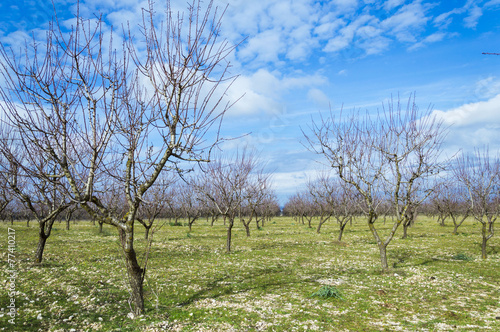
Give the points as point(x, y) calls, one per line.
point(487, 87)
point(435, 37)
point(264, 47)
point(492, 3)
point(346, 34)
point(444, 20)
point(319, 98)
point(481, 114)
point(263, 91)
point(391, 4)
point(472, 19)
point(407, 21)
point(275, 30)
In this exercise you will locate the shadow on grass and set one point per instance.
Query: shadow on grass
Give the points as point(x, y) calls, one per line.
point(260, 280)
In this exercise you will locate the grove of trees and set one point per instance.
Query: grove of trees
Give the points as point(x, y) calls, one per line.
point(96, 127)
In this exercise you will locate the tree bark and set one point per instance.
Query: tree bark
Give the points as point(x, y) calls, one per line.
point(135, 272)
point(341, 231)
point(42, 240)
point(318, 230)
point(309, 220)
point(39, 249)
point(485, 240)
point(383, 257)
point(247, 228)
point(382, 245)
point(405, 230)
point(229, 229)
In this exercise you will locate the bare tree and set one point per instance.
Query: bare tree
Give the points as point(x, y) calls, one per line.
point(5, 194)
point(225, 182)
point(35, 180)
point(257, 193)
point(452, 200)
point(480, 174)
point(438, 204)
point(322, 191)
point(155, 202)
point(345, 202)
point(389, 152)
point(189, 203)
point(69, 215)
point(95, 115)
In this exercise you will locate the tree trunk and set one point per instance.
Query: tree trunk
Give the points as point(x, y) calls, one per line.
point(135, 272)
point(341, 231)
point(247, 228)
point(383, 257)
point(318, 230)
point(485, 239)
point(100, 227)
point(382, 245)
point(146, 232)
point(228, 243)
point(405, 230)
point(39, 249)
point(42, 239)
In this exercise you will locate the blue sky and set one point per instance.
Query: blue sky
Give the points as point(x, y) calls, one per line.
point(301, 57)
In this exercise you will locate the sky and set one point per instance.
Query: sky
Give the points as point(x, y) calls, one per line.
point(298, 59)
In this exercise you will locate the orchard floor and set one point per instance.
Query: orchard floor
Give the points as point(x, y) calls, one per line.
point(437, 281)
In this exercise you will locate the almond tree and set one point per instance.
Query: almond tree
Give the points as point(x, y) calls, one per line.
point(322, 192)
point(480, 174)
point(258, 192)
point(6, 196)
point(102, 114)
point(225, 182)
point(452, 200)
point(345, 202)
point(156, 202)
point(384, 154)
point(36, 182)
point(189, 203)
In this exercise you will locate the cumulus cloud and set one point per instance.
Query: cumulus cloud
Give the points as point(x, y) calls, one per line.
point(485, 113)
point(261, 92)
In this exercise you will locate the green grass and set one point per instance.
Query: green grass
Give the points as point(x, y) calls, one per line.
point(437, 280)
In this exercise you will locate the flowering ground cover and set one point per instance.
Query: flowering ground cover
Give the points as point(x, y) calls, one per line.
point(438, 281)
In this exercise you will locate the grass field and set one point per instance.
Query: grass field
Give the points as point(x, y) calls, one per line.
point(438, 282)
